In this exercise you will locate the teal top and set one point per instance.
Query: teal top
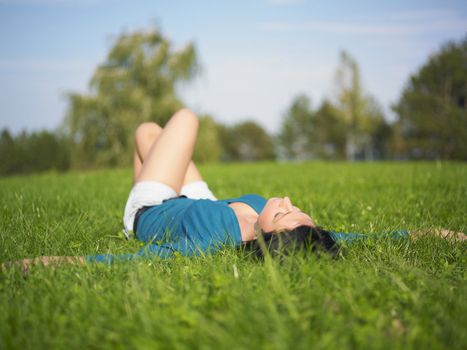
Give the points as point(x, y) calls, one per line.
point(188, 226)
point(196, 226)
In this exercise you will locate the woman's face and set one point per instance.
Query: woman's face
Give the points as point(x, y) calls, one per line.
point(280, 215)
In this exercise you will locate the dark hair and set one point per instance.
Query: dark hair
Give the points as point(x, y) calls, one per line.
point(302, 238)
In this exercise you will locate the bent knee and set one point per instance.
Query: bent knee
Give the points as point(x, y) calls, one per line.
point(147, 130)
point(187, 116)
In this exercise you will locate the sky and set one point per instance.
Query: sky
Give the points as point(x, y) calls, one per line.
point(256, 55)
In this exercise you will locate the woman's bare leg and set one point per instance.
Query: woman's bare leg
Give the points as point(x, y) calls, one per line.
point(169, 156)
point(146, 135)
point(137, 166)
point(192, 174)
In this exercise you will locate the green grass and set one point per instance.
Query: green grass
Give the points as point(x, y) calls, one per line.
point(389, 295)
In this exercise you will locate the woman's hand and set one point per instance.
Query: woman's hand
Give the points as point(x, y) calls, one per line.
point(442, 233)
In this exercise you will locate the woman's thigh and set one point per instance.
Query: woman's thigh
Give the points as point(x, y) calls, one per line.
point(145, 135)
point(169, 156)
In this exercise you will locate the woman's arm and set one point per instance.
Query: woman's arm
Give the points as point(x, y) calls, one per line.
point(148, 251)
point(25, 264)
point(449, 235)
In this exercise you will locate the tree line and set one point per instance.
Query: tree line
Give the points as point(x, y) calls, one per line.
point(138, 82)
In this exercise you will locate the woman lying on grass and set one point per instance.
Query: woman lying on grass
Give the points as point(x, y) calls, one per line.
point(172, 209)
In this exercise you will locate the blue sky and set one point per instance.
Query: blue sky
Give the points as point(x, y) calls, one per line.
point(256, 55)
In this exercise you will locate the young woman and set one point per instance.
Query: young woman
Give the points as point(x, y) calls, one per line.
point(172, 209)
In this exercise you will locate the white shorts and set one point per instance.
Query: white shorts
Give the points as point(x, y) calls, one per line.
point(149, 193)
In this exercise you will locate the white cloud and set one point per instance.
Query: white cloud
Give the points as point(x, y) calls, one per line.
point(403, 23)
point(423, 14)
point(335, 27)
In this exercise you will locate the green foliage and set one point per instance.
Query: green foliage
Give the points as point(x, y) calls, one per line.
point(329, 133)
point(34, 152)
point(359, 112)
point(8, 162)
point(297, 128)
point(253, 142)
point(351, 128)
point(433, 107)
point(384, 295)
point(208, 145)
point(246, 141)
point(228, 141)
point(136, 83)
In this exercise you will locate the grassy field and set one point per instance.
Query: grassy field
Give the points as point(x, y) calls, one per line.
point(390, 295)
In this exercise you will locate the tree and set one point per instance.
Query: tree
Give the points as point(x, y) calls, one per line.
point(136, 83)
point(432, 110)
point(208, 145)
point(47, 150)
point(254, 143)
point(343, 129)
point(246, 141)
point(328, 135)
point(8, 154)
point(381, 132)
point(229, 143)
point(359, 112)
point(295, 137)
point(33, 152)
